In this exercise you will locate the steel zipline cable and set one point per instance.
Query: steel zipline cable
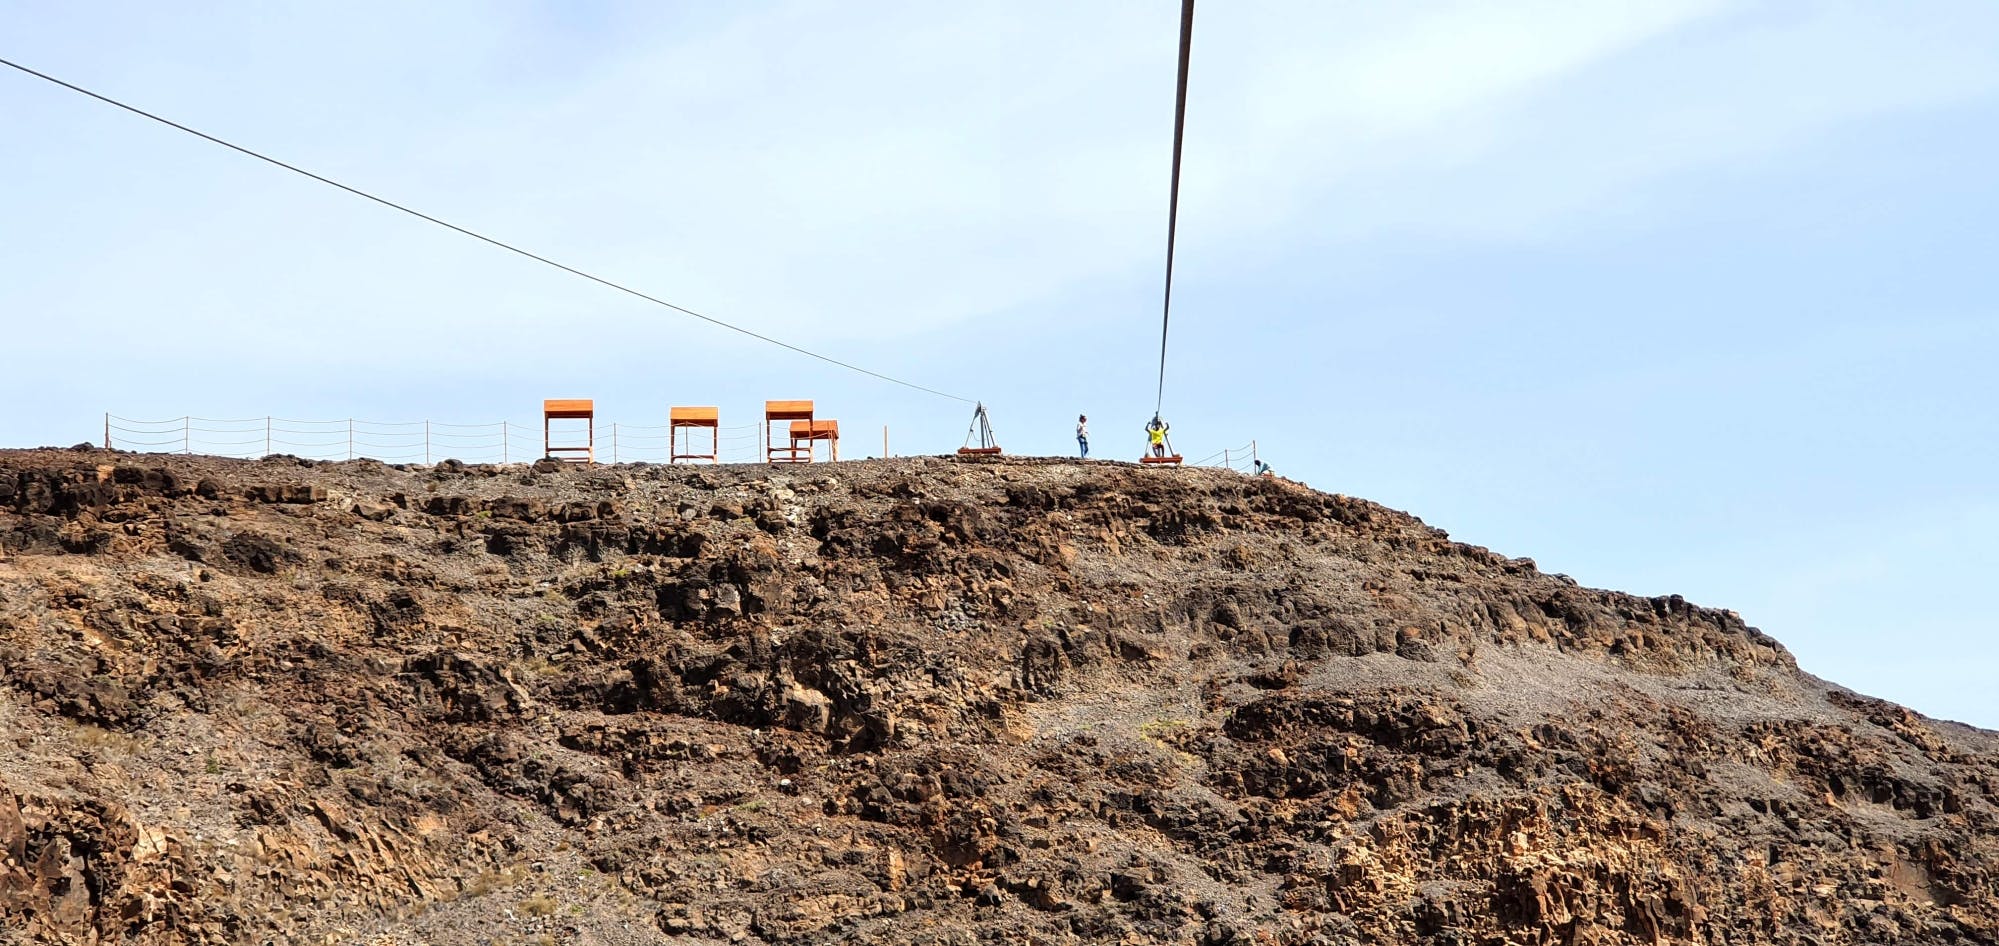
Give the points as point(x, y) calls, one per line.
point(1173, 201)
point(515, 249)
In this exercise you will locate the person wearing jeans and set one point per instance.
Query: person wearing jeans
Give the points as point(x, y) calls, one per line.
point(1083, 435)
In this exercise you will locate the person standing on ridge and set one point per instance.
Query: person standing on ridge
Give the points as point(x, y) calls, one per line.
point(1156, 433)
point(1083, 434)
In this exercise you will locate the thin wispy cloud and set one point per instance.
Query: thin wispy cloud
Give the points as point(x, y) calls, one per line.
point(836, 172)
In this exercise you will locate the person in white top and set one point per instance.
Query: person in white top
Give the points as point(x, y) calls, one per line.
point(1083, 434)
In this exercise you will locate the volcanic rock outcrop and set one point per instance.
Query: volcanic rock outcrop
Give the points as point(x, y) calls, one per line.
point(913, 701)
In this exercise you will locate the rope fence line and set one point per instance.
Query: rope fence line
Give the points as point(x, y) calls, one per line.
point(1243, 459)
point(500, 441)
point(416, 441)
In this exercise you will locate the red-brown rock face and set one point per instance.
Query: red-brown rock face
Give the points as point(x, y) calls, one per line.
point(915, 701)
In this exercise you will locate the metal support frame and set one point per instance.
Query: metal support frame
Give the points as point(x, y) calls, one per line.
point(1172, 457)
point(982, 427)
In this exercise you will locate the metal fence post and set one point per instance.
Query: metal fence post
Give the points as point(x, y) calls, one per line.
point(187, 435)
point(350, 438)
point(426, 443)
point(107, 430)
point(267, 435)
point(614, 443)
point(503, 441)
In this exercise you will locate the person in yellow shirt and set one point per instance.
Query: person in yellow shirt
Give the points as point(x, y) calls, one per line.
point(1156, 433)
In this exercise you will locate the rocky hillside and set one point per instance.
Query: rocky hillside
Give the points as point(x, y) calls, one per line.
point(910, 701)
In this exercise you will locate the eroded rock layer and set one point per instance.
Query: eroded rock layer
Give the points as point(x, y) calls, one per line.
point(912, 701)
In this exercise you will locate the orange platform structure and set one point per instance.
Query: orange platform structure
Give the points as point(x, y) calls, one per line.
point(786, 412)
point(810, 432)
point(582, 409)
point(685, 423)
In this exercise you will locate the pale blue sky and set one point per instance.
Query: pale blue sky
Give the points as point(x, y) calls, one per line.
point(1685, 296)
